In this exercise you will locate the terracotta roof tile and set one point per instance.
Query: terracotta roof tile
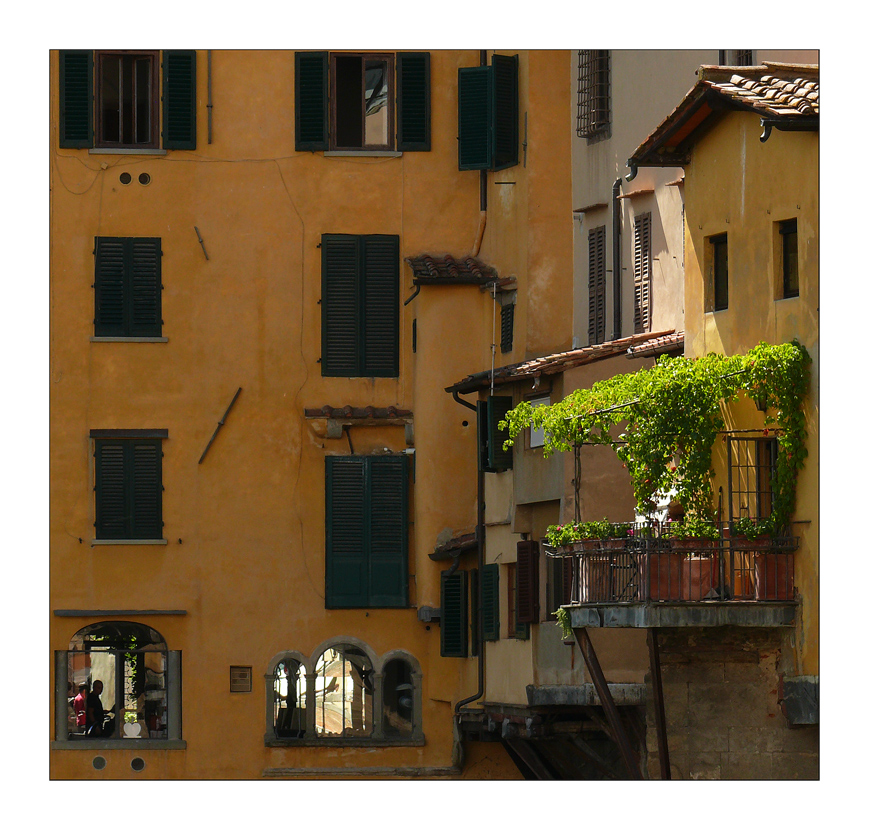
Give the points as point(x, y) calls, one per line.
point(673, 342)
point(447, 268)
point(359, 413)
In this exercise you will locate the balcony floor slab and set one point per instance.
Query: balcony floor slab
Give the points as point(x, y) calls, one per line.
point(683, 615)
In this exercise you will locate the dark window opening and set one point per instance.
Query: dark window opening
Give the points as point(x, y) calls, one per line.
point(362, 114)
point(593, 93)
point(752, 470)
point(127, 99)
point(789, 259)
point(719, 272)
point(397, 698)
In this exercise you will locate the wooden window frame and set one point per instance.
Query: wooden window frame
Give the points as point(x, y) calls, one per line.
point(751, 470)
point(389, 59)
point(154, 93)
point(718, 279)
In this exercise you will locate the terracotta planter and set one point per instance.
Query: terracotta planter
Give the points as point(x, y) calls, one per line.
point(699, 576)
point(594, 579)
point(665, 576)
point(774, 576)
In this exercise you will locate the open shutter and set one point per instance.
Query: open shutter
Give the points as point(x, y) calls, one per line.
point(145, 460)
point(341, 305)
point(179, 99)
point(110, 488)
point(312, 101)
point(346, 559)
point(380, 306)
point(144, 287)
point(507, 313)
point(596, 285)
point(491, 617)
point(499, 458)
point(527, 581)
point(414, 101)
point(387, 537)
point(475, 118)
point(642, 272)
point(505, 111)
point(76, 90)
point(454, 614)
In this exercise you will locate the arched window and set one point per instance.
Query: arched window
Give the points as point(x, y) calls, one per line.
point(398, 698)
point(290, 699)
point(122, 683)
point(344, 692)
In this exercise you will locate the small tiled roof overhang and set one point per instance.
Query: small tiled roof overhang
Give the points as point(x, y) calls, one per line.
point(360, 413)
point(454, 547)
point(553, 364)
point(786, 96)
point(446, 270)
point(666, 344)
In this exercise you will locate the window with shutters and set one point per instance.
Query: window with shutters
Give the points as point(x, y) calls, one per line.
point(360, 305)
point(559, 578)
point(111, 99)
point(596, 285)
point(366, 531)
point(527, 582)
point(643, 273)
point(593, 94)
point(489, 115)
point(127, 287)
point(454, 614)
point(350, 101)
point(128, 485)
point(493, 456)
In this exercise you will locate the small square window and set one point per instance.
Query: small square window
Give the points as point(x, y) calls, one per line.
point(537, 437)
point(790, 275)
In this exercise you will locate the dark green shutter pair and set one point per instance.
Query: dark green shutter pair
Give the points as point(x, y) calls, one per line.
point(493, 457)
point(360, 333)
point(77, 98)
point(489, 115)
point(413, 101)
point(127, 287)
point(128, 488)
point(366, 531)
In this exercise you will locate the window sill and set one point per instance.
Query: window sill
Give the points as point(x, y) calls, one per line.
point(129, 542)
point(365, 153)
point(782, 299)
point(271, 741)
point(125, 151)
point(120, 743)
point(129, 339)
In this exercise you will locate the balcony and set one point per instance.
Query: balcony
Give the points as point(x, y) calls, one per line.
point(646, 579)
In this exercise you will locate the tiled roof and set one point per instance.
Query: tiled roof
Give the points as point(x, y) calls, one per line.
point(787, 96)
point(673, 342)
point(554, 363)
point(359, 413)
point(430, 269)
point(454, 547)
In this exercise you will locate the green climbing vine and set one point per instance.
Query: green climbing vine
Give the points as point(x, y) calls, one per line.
point(662, 421)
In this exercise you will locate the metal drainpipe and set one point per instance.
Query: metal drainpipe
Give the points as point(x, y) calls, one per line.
point(617, 262)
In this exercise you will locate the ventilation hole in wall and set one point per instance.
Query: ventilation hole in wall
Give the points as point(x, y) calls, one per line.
point(99, 762)
point(464, 423)
point(138, 764)
point(144, 178)
point(126, 178)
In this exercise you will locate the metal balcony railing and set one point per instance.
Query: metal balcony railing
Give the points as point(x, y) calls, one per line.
point(649, 566)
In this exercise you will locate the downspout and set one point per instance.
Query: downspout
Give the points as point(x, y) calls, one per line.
point(617, 261)
point(209, 106)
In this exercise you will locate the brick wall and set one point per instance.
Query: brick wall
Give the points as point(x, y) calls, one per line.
point(721, 701)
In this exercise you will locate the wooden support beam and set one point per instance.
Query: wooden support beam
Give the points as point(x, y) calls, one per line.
point(658, 699)
point(526, 751)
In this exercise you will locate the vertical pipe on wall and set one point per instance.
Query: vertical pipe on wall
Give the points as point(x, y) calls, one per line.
point(617, 261)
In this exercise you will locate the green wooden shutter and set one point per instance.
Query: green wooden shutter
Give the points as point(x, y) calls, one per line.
point(454, 614)
point(341, 305)
point(312, 101)
point(346, 559)
point(527, 581)
point(597, 285)
point(380, 332)
point(499, 458)
point(507, 314)
point(491, 618)
point(128, 489)
point(483, 436)
point(505, 111)
point(475, 118)
point(127, 287)
point(146, 513)
point(179, 99)
point(144, 287)
point(76, 88)
point(109, 287)
point(414, 101)
point(110, 488)
point(474, 591)
point(387, 536)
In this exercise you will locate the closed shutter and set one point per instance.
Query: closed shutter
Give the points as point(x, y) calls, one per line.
point(507, 313)
point(483, 436)
point(475, 118)
point(127, 287)
point(642, 272)
point(76, 90)
point(387, 508)
point(128, 488)
point(145, 309)
point(527, 581)
point(179, 99)
point(490, 610)
point(341, 305)
point(454, 614)
point(414, 101)
point(312, 101)
point(499, 458)
point(380, 306)
point(505, 132)
point(596, 285)
point(109, 287)
point(346, 554)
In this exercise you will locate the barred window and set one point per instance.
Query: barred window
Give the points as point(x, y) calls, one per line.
point(593, 93)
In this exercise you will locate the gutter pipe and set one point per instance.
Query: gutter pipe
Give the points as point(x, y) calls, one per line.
point(617, 262)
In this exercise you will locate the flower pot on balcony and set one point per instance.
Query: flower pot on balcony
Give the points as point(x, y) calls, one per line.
point(594, 579)
point(665, 575)
point(699, 576)
point(774, 575)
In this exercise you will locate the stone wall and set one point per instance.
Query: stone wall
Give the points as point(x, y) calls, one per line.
point(721, 702)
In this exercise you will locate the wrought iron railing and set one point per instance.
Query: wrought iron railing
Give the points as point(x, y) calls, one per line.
point(648, 565)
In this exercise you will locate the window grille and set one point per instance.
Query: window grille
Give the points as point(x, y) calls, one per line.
point(593, 93)
point(752, 463)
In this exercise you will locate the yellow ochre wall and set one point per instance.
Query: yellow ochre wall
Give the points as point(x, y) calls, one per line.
point(245, 528)
point(736, 184)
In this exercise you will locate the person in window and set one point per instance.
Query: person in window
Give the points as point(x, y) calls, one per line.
point(79, 706)
point(97, 725)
